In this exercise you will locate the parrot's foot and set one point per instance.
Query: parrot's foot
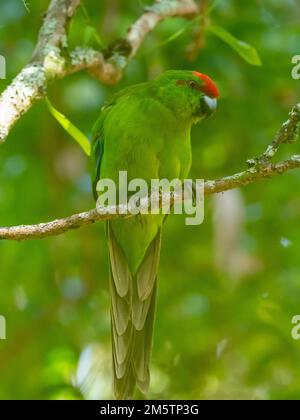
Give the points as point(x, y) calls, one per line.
point(191, 188)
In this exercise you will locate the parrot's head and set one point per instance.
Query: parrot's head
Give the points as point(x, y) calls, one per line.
point(190, 94)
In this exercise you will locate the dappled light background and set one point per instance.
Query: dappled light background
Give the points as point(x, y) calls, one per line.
point(227, 289)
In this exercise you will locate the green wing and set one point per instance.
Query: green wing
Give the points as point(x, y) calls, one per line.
point(97, 143)
point(97, 149)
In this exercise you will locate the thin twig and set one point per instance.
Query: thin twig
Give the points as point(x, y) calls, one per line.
point(198, 43)
point(288, 133)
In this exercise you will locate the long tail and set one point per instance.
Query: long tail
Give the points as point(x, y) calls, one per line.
point(132, 316)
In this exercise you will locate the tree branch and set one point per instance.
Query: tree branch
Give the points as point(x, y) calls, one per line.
point(259, 170)
point(31, 83)
point(155, 14)
point(60, 226)
point(288, 133)
point(250, 176)
point(51, 58)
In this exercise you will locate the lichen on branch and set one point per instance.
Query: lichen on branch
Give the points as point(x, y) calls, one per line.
point(52, 59)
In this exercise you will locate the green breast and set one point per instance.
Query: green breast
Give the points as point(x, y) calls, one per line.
point(143, 137)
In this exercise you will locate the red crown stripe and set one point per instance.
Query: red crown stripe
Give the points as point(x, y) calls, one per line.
point(209, 87)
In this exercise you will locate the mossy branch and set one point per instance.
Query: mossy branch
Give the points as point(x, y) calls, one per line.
point(52, 58)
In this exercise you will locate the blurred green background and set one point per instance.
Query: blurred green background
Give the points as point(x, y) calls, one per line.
point(227, 290)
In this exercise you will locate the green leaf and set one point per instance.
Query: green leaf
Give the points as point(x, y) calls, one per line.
point(90, 31)
point(70, 128)
point(213, 6)
point(173, 36)
point(90, 34)
point(246, 51)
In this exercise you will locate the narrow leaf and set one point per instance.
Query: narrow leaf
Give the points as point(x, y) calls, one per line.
point(246, 51)
point(91, 34)
point(213, 6)
point(70, 128)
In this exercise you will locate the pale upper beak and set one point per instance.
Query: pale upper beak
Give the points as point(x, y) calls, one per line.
point(209, 105)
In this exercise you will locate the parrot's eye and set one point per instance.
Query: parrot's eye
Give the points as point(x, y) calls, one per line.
point(192, 84)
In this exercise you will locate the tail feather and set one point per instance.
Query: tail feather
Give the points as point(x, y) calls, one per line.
point(142, 348)
point(147, 272)
point(121, 308)
point(124, 386)
point(132, 316)
point(119, 267)
point(121, 343)
point(140, 310)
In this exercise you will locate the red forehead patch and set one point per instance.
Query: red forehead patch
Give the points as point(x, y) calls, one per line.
point(209, 87)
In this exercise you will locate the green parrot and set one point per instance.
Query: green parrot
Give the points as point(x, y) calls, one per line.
point(144, 130)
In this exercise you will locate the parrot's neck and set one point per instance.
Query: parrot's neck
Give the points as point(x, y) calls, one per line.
point(181, 112)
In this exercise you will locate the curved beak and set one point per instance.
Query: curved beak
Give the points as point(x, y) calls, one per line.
point(208, 105)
